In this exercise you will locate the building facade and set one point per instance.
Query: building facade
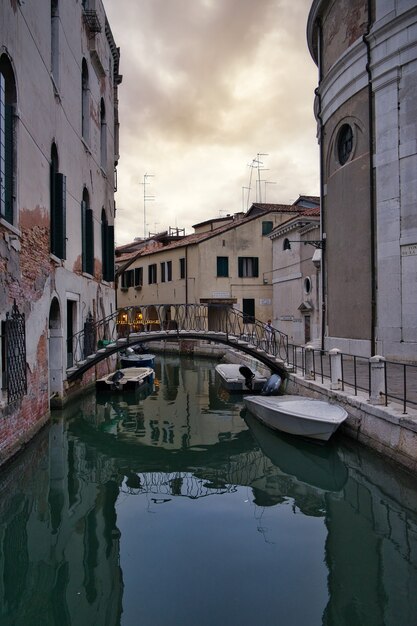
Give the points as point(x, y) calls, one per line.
point(59, 75)
point(226, 262)
point(366, 52)
point(296, 278)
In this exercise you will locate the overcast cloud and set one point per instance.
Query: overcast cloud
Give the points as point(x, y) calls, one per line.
point(207, 85)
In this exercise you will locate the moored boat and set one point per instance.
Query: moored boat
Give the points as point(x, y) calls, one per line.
point(126, 379)
point(297, 415)
point(317, 466)
point(134, 359)
point(239, 378)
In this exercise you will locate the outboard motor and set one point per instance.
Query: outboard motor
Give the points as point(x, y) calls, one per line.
point(116, 378)
point(272, 386)
point(248, 375)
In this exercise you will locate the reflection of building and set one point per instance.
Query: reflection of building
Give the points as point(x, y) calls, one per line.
point(60, 547)
point(166, 419)
point(59, 74)
point(59, 543)
point(366, 108)
point(371, 547)
point(226, 261)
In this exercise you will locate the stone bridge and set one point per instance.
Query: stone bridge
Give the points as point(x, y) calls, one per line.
point(134, 325)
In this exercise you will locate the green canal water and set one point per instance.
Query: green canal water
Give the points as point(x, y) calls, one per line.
point(174, 507)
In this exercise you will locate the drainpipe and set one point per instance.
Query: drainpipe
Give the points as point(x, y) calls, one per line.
point(321, 139)
point(186, 274)
point(371, 178)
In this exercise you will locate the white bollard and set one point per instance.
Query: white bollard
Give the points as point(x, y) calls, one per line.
point(309, 363)
point(336, 368)
point(377, 393)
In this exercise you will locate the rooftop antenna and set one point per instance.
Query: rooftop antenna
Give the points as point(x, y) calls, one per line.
point(243, 199)
point(256, 163)
point(252, 166)
point(146, 198)
point(260, 163)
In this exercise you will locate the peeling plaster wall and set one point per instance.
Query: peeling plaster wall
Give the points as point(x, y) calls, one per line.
point(48, 111)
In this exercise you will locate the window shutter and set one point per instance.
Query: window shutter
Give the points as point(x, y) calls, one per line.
point(255, 266)
point(110, 253)
point(83, 236)
point(222, 266)
point(59, 226)
point(240, 267)
point(8, 163)
point(89, 223)
point(266, 228)
point(138, 276)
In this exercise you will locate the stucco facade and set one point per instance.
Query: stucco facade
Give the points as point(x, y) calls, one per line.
point(367, 126)
point(296, 278)
point(226, 264)
point(59, 73)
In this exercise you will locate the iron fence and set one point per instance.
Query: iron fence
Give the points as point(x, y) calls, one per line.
point(400, 379)
point(137, 324)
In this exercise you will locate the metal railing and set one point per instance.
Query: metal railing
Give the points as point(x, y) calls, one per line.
point(136, 324)
point(400, 379)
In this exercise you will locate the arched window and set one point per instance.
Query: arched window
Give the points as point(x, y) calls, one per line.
point(103, 136)
point(55, 41)
point(344, 143)
point(7, 140)
point(87, 234)
point(58, 205)
point(85, 102)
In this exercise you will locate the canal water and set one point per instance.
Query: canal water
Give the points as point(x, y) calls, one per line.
point(172, 506)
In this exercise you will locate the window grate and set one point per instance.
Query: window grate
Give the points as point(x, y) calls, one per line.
point(15, 349)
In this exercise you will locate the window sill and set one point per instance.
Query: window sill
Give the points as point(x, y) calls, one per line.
point(56, 259)
point(10, 227)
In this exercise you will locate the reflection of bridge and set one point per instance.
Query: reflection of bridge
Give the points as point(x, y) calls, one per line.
point(210, 322)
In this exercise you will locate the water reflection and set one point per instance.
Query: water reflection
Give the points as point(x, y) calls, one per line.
point(211, 516)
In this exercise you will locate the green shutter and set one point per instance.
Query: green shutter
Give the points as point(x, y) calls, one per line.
point(222, 266)
point(266, 228)
point(110, 253)
point(104, 255)
point(83, 236)
point(8, 162)
point(89, 223)
point(240, 266)
point(58, 217)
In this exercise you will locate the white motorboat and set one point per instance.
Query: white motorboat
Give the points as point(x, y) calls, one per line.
point(127, 379)
point(307, 462)
point(240, 378)
point(297, 415)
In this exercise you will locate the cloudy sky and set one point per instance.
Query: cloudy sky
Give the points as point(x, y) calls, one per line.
point(208, 85)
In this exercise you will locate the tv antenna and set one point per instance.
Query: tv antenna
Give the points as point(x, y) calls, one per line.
point(146, 198)
point(257, 163)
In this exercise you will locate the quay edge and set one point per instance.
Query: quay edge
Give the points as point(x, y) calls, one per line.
point(387, 430)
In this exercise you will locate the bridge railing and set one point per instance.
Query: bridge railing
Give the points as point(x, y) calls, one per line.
point(136, 324)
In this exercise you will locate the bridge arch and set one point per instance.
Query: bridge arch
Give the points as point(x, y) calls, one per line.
point(132, 326)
